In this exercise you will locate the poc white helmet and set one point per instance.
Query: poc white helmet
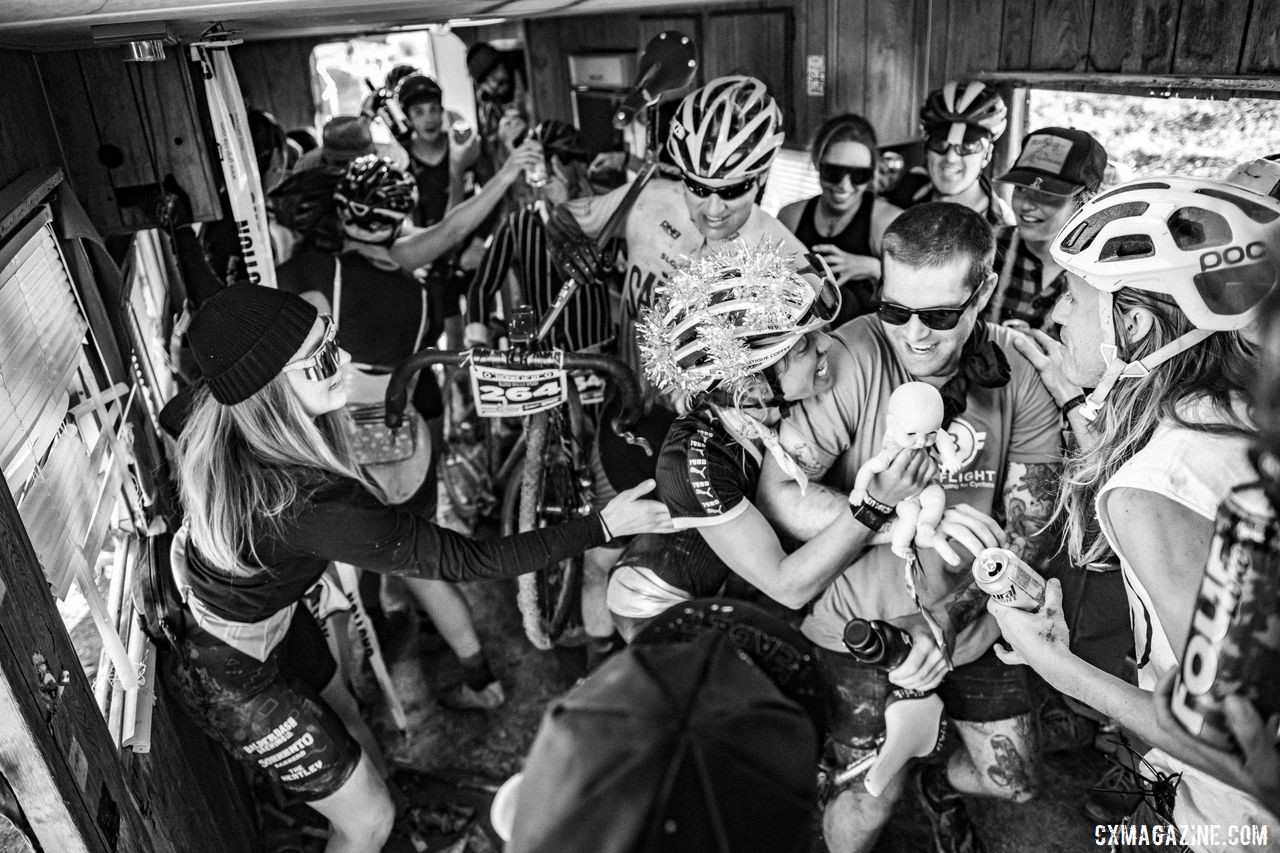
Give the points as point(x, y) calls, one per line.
point(1211, 246)
point(729, 130)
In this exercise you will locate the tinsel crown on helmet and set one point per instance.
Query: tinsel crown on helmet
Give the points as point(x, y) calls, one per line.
point(724, 317)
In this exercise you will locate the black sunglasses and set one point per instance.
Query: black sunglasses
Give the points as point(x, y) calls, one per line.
point(728, 193)
point(940, 145)
point(833, 173)
point(938, 319)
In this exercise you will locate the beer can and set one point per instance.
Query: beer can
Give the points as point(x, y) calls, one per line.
point(1004, 576)
point(1233, 647)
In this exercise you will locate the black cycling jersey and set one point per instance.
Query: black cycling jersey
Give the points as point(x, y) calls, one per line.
point(704, 477)
point(433, 188)
point(522, 237)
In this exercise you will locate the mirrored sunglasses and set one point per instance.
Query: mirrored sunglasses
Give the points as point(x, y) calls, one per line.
point(834, 173)
point(940, 145)
point(728, 193)
point(324, 359)
point(938, 319)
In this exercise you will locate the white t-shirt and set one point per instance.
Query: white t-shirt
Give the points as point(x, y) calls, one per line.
point(1196, 470)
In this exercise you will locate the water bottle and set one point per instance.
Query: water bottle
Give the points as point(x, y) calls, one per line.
point(877, 643)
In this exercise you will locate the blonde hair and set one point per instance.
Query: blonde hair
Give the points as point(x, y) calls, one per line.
point(1218, 371)
point(242, 467)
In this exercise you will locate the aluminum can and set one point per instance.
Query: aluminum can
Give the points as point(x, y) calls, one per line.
point(1233, 647)
point(1004, 576)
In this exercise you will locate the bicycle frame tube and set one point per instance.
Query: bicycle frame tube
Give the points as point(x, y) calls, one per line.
point(624, 381)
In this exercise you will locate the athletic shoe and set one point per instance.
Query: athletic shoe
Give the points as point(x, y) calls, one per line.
point(464, 697)
point(953, 832)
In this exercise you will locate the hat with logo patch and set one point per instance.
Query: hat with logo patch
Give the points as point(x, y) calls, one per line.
point(1060, 161)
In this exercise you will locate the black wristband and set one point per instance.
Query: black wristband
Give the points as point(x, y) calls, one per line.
point(879, 506)
point(1078, 400)
point(870, 517)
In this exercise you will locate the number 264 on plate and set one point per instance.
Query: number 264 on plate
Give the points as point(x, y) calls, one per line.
point(502, 393)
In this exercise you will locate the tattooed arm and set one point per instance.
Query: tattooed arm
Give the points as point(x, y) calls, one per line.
point(1029, 494)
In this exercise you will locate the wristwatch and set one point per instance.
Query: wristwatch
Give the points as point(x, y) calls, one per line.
point(869, 514)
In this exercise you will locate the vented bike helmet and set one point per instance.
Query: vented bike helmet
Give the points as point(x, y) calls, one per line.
point(731, 314)
point(964, 104)
point(561, 139)
point(727, 131)
point(1208, 245)
point(373, 198)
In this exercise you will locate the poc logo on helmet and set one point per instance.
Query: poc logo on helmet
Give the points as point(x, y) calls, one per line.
point(1232, 255)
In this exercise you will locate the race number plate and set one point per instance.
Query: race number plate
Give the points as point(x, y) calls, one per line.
point(590, 388)
point(500, 392)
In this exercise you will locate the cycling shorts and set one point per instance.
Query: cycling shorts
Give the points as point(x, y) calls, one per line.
point(268, 714)
point(985, 690)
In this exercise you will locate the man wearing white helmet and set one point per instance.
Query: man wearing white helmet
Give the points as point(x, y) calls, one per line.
point(1164, 274)
point(723, 137)
point(961, 123)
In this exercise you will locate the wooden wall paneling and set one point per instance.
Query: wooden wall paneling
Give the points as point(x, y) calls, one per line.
point(171, 120)
point(28, 138)
point(892, 70)
point(1060, 41)
point(810, 40)
point(756, 43)
point(972, 33)
point(73, 116)
point(276, 76)
point(550, 41)
point(939, 14)
point(1111, 38)
point(1210, 36)
point(850, 60)
point(1153, 32)
point(1017, 31)
point(1262, 44)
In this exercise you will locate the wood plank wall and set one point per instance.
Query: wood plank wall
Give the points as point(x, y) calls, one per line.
point(27, 135)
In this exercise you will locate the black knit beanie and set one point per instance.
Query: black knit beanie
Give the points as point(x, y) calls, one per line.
point(243, 335)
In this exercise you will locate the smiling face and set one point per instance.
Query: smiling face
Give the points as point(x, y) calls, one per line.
point(804, 370)
point(844, 196)
point(427, 118)
point(715, 218)
point(952, 173)
point(317, 396)
point(930, 355)
point(1041, 215)
point(1081, 333)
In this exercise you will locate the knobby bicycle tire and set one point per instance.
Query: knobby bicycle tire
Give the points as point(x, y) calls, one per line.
point(550, 492)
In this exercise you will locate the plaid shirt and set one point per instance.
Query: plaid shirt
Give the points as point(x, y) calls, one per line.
point(1019, 295)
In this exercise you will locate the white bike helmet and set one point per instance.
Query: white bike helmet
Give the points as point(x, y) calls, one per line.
point(960, 104)
point(729, 130)
point(732, 314)
point(1209, 245)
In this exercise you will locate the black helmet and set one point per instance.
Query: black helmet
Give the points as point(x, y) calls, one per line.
point(373, 198)
point(561, 139)
point(416, 88)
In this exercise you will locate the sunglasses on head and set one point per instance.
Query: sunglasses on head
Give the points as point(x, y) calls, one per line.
point(940, 145)
point(323, 361)
point(938, 319)
point(834, 173)
point(728, 193)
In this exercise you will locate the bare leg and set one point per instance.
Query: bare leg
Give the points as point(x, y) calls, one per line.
point(449, 612)
point(339, 698)
point(852, 822)
point(1001, 759)
point(361, 811)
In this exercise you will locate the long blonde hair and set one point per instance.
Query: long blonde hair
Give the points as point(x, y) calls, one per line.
point(241, 468)
point(1218, 371)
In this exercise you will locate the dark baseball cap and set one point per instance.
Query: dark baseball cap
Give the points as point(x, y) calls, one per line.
point(1060, 161)
point(344, 138)
point(683, 743)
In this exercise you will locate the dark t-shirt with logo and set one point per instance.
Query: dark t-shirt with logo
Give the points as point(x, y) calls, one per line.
point(839, 430)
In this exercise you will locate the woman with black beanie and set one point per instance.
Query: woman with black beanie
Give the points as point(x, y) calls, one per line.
point(271, 496)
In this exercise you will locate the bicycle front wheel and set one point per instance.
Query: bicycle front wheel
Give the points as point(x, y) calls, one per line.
point(549, 493)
